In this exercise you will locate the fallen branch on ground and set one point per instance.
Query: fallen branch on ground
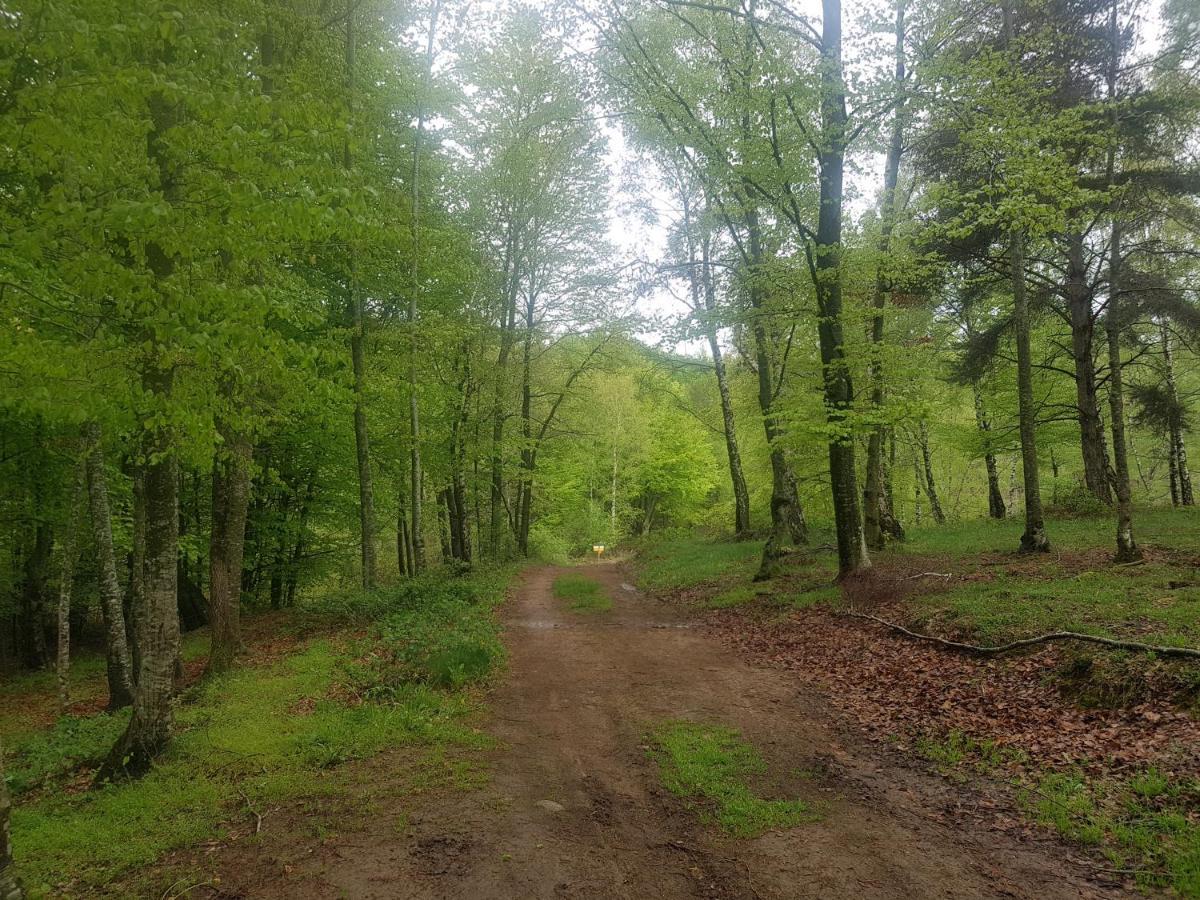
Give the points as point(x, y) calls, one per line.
point(930, 575)
point(979, 650)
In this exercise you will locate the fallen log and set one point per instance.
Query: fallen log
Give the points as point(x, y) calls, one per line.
point(981, 650)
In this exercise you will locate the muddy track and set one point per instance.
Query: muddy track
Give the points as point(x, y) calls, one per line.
point(575, 808)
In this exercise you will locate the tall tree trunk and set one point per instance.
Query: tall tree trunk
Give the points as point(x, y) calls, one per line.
point(512, 275)
point(69, 554)
point(414, 414)
point(121, 666)
point(362, 440)
point(879, 521)
point(996, 508)
point(1127, 548)
point(839, 390)
point(1091, 430)
point(935, 505)
point(1181, 481)
point(230, 502)
point(525, 486)
point(460, 515)
point(158, 619)
point(10, 885)
point(1034, 539)
point(34, 589)
point(704, 302)
point(443, 509)
point(403, 539)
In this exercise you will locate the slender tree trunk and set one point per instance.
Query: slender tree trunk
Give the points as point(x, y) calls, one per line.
point(507, 334)
point(10, 885)
point(525, 487)
point(1127, 548)
point(1091, 430)
point(362, 439)
point(403, 539)
point(839, 390)
point(121, 666)
point(704, 303)
point(230, 503)
point(879, 521)
point(69, 555)
point(414, 415)
point(443, 509)
point(996, 508)
point(1181, 481)
point(1034, 538)
point(935, 505)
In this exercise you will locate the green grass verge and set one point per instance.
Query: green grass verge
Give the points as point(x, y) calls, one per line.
point(711, 767)
point(1145, 825)
point(582, 593)
point(681, 561)
point(262, 735)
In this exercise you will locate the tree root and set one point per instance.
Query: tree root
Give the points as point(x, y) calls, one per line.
point(979, 650)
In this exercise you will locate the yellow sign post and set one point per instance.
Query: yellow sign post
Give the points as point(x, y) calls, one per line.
point(598, 549)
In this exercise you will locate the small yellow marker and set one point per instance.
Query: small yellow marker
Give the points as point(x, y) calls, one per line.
point(598, 549)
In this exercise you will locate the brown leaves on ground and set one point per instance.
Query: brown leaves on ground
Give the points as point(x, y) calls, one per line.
point(896, 688)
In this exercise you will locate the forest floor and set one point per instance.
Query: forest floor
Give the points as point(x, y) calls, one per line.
point(637, 756)
point(663, 727)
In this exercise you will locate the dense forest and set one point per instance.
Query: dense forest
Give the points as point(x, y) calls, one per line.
point(306, 296)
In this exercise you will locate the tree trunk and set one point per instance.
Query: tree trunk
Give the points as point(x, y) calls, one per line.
point(507, 333)
point(996, 508)
point(1091, 430)
point(10, 885)
point(69, 554)
point(34, 589)
point(704, 298)
point(230, 502)
point(362, 440)
point(525, 486)
point(403, 540)
point(158, 619)
point(1127, 548)
point(120, 661)
point(1034, 539)
point(879, 521)
point(839, 390)
point(1181, 481)
point(443, 508)
point(935, 505)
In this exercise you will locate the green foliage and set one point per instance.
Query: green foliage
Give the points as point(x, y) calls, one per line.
point(269, 734)
point(582, 593)
point(713, 768)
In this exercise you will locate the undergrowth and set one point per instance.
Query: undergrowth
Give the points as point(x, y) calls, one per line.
point(711, 767)
point(262, 735)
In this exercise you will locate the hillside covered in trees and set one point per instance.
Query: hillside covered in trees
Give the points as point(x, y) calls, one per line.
point(322, 319)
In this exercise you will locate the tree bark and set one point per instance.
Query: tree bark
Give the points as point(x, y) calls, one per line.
point(1091, 430)
point(839, 390)
point(704, 302)
point(362, 439)
point(879, 521)
point(935, 505)
point(1127, 548)
point(10, 886)
point(1034, 539)
point(120, 662)
point(1181, 481)
point(158, 619)
point(996, 508)
point(69, 554)
point(230, 503)
point(507, 333)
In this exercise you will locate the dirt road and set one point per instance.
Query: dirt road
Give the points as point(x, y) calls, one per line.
point(575, 806)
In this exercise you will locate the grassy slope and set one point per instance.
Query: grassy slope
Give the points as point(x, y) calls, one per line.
point(264, 734)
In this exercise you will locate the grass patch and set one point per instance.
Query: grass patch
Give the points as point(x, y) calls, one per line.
point(957, 749)
point(263, 735)
point(1145, 824)
point(684, 560)
point(582, 593)
point(711, 767)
